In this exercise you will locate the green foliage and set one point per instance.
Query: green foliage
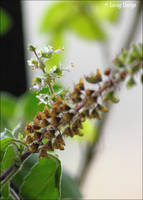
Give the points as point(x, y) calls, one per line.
point(110, 97)
point(131, 82)
point(7, 109)
point(9, 157)
point(46, 176)
point(5, 22)
point(66, 112)
point(69, 187)
point(85, 20)
point(4, 191)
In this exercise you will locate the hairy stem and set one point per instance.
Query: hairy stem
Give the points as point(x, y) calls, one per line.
point(92, 150)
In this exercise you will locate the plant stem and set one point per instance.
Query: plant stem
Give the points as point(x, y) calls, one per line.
point(13, 193)
point(50, 87)
point(92, 150)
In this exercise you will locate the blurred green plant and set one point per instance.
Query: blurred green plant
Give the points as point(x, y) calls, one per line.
point(28, 176)
point(5, 22)
point(85, 19)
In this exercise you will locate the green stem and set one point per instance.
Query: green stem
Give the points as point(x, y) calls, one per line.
point(19, 141)
point(13, 193)
point(50, 87)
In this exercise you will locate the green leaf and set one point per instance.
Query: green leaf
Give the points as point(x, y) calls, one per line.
point(6, 133)
point(131, 82)
point(56, 17)
point(27, 107)
point(4, 191)
point(5, 22)
point(7, 109)
point(87, 27)
point(103, 11)
point(43, 181)
point(18, 179)
point(9, 157)
point(54, 61)
point(69, 187)
point(4, 143)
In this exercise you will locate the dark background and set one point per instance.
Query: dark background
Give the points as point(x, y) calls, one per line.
point(12, 62)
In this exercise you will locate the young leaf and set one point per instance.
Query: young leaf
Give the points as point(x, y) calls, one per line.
point(43, 181)
point(7, 109)
point(6, 133)
point(87, 27)
point(9, 157)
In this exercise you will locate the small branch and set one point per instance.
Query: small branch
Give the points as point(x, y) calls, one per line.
point(50, 87)
point(14, 194)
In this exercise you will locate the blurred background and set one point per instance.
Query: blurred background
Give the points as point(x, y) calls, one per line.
point(92, 34)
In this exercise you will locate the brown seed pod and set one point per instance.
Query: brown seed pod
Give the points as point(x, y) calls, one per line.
point(67, 117)
point(46, 111)
point(35, 127)
point(95, 114)
point(65, 107)
point(37, 135)
point(43, 154)
point(29, 139)
point(107, 71)
point(89, 92)
point(50, 134)
point(34, 147)
point(67, 132)
point(55, 121)
point(48, 146)
point(44, 123)
point(29, 128)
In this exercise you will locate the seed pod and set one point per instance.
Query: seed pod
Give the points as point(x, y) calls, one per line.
point(43, 116)
point(67, 132)
point(67, 117)
point(48, 146)
point(59, 100)
point(107, 72)
point(34, 147)
point(81, 84)
point(50, 134)
point(102, 108)
point(82, 116)
point(35, 127)
point(55, 121)
point(29, 128)
point(65, 107)
point(94, 78)
point(38, 116)
point(46, 111)
point(77, 124)
point(60, 139)
point(37, 135)
point(57, 144)
point(43, 154)
point(95, 114)
point(29, 139)
point(44, 123)
point(89, 92)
